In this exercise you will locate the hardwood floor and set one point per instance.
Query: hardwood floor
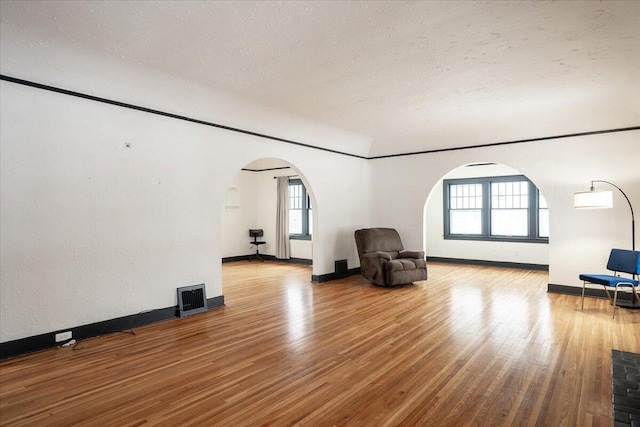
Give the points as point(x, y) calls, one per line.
point(470, 346)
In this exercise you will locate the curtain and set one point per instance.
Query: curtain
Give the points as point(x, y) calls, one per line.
point(283, 248)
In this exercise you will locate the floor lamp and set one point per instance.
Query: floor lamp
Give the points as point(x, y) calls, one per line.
point(593, 199)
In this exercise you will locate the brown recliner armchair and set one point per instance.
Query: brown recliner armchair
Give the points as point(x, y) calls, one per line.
point(383, 259)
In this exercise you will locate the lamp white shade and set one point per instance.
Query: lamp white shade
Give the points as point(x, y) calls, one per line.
point(593, 199)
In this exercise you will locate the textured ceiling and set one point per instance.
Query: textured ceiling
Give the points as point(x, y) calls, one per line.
point(409, 76)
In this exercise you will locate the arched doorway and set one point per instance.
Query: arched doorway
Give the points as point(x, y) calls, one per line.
point(487, 212)
point(251, 203)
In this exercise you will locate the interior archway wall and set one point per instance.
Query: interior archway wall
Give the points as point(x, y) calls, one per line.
point(339, 187)
point(165, 193)
point(143, 198)
point(256, 208)
point(436, 246)
point(581, 239)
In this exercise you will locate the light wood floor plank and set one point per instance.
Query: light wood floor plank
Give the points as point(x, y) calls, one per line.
point(471, 346)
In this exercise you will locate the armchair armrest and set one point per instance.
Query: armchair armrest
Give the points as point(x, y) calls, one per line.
point(411, 254)
point(371, 265)
point(377, 254)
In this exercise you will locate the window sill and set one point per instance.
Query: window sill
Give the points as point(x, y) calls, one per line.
point(499, 239)
point(300, 237)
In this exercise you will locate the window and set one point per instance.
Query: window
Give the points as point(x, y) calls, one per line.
point(543, 217)
point(466, 209)
point(504, 208)
point(510, 208)
point(300, 213)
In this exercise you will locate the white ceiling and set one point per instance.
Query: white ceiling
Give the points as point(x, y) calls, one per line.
point(409, 76)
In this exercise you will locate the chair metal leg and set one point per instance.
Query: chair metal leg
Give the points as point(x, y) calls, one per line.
point(634, 295)
point(584, 283)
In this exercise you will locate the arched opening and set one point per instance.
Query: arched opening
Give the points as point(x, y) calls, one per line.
point(251, 204)
point(487, 212)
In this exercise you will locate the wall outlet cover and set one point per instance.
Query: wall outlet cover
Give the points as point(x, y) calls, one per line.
point(63, 336)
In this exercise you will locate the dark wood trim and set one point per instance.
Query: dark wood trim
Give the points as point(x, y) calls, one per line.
point(165, 114)
point(265, 170)
point(518, 265)
point(553, 288)
point(322, 278)
point(288, 141)
point(517, 141)
point(303, 261)
point(252, 257)
point(121, 324)
point(238, 258)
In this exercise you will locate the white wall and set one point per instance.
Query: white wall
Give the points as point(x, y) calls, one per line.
point(580, 239)
point(92, 230)
point(257, 209)
point(437, 246)
point(237, 219)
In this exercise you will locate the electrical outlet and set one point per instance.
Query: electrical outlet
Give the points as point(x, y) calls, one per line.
point(63, 336)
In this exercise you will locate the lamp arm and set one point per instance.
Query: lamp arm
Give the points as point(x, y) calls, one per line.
point(633, 218)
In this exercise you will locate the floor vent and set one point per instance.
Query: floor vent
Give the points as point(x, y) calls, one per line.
point(341, 269)
point(191, 300)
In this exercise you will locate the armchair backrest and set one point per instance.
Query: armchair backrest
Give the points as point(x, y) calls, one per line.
point(624, 261)
point(378, 239)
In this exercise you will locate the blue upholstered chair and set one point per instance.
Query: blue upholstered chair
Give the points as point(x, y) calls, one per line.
point(620, 261)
